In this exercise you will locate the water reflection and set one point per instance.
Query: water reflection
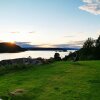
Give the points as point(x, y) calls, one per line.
point(33, 54)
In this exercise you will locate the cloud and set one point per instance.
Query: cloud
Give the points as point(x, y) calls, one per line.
point(1, 41)
point(15, 32)
point(32, 32)
point(92, 6)
point(77, 42)
point(25, 44)
point(69, 36)
point(71, 44)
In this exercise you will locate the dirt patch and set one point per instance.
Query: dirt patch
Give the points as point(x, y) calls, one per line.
point(17, 92)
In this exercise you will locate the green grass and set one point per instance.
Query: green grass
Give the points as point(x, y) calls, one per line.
point(56, 81)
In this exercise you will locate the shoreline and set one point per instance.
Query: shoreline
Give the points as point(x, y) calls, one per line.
point(25, 61)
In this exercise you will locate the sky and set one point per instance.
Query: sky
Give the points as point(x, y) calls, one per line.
point(47, 23)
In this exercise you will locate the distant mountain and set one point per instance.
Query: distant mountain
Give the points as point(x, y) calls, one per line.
point(6, 47)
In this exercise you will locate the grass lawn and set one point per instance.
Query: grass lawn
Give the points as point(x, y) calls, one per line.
point(56, 81)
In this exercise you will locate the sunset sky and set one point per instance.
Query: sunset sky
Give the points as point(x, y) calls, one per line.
point(49, 22)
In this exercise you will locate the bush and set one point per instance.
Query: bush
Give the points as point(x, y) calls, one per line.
point(57, 57)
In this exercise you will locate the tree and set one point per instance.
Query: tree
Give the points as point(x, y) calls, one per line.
point(88, 46)
point(89, 43)
point(57, 57)
point(97, 48)
point(87, 51)
point(98, 42)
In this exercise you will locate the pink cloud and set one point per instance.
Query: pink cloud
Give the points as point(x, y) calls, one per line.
point(92, 6)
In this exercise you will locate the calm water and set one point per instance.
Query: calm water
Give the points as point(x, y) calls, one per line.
point(33, 54)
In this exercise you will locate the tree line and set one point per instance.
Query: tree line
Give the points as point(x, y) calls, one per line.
point(89, 51)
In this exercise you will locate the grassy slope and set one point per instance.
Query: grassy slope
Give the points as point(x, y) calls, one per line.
point(57, 81)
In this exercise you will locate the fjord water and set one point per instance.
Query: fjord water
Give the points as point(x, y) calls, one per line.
point(33, 54)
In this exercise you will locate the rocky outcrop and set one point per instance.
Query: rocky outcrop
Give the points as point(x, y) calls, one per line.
point(25, 61)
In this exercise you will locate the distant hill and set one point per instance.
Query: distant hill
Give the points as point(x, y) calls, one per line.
point(6, 47)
